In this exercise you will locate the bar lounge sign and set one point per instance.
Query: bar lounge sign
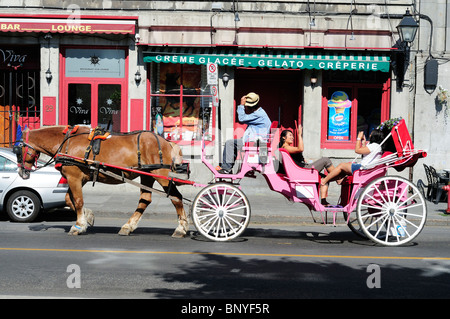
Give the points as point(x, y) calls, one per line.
point(66, 26)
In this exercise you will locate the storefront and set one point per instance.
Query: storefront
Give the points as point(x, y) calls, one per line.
point(66, 69)
point(285, 81)
point(19, 87)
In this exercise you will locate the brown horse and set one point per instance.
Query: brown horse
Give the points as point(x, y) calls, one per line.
point(118, 150)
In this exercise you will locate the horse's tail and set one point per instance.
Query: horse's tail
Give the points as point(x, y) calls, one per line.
point(180, 168)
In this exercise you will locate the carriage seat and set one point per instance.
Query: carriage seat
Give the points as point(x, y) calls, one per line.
point(267, 138)
point(295, 172)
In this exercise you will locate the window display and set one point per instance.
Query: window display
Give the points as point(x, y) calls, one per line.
point(180, 102)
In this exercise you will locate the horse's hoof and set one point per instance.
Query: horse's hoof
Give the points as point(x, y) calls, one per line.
point(178, 234)
point(75, 231)
point(124, 231)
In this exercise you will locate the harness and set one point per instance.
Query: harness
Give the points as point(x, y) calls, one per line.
point(151, 167)
point(95, 137)
point(17, 149)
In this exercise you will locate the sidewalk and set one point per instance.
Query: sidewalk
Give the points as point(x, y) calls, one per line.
point(266, 206)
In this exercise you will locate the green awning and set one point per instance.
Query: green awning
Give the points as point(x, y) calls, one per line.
point(283, 59)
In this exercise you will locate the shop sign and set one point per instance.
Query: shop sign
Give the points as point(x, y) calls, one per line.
point(67, 26)
point(339, 116)
point(287, 61)
point(19, 57)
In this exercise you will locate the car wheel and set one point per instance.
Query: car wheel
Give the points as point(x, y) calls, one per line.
point(23, 206)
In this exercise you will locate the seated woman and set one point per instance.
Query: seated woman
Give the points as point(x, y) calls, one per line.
point(287, 142)
point(370, 153)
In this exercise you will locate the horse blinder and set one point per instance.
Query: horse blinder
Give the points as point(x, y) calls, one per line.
point(24, 172)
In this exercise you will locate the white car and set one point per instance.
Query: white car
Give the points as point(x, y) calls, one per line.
point(24, 199)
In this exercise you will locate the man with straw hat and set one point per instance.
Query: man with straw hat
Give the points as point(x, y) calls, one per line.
point(258, 125)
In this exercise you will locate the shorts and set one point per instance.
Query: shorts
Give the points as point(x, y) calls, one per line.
point(355, 167)
point(320, 164)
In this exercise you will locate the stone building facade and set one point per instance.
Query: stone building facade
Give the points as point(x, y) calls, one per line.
point(134, 65)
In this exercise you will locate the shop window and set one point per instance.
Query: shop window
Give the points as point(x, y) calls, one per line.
point(348, 108)
point(180, 102)
point(109, 106)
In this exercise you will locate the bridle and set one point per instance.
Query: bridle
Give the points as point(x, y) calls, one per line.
point(22, 147)
point(22, 160)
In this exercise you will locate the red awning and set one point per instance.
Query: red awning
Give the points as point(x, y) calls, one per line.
point(67, 25)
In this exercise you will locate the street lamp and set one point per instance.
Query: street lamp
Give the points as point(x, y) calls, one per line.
point(48, 75)
point(407, 28)
point(137, 77)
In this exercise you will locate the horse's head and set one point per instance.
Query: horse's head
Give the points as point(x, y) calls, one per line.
point(27, 157)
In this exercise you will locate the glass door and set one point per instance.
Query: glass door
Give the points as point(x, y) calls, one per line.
point(109, 106)
point(79, 104)
point(95, 104)
point(94, 87)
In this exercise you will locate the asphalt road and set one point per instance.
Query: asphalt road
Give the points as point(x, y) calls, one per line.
point(270, 261)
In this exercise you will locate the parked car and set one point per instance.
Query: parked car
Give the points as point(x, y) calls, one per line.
point(24, 199)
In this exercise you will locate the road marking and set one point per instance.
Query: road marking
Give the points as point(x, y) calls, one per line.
point(220, 254)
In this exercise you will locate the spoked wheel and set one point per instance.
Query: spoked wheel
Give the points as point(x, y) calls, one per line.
point(391, 211)
point(221, 212)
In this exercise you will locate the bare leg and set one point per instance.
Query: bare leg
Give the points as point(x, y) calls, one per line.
point(342, 168)
point(323, 192)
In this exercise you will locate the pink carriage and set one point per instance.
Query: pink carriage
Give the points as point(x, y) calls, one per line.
point(390, 210)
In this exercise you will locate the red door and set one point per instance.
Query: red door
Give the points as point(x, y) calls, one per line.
point(94, 88)
point(95, 103)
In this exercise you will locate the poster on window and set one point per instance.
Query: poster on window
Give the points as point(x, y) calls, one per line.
point(339, 116)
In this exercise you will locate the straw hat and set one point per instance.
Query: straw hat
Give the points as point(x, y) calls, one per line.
point(251, 99)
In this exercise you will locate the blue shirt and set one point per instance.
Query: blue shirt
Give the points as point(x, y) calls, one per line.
point(258, 123)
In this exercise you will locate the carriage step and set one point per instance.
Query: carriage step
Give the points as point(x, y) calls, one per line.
point(337, 208)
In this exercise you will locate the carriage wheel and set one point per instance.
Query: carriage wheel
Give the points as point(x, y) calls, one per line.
point(221, 212)
point(391, 211)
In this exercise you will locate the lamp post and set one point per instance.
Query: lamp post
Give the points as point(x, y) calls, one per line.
point(407, 30)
